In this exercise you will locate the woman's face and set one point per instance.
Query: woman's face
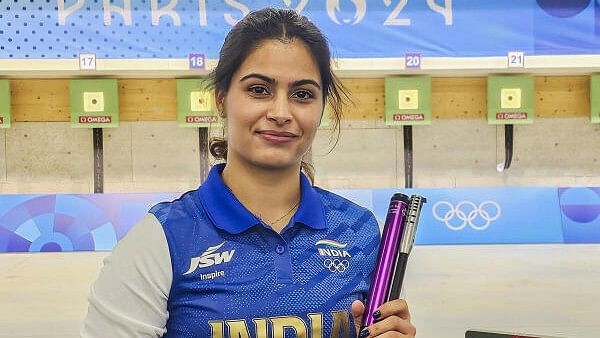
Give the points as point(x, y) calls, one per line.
point(273, 106)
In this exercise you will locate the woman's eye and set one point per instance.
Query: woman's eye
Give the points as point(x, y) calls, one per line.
point(303, 95)
point(258, 90)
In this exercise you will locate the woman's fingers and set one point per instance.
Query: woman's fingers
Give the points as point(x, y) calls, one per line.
point(392, 320)
point(397, 307)
point(358, 308)
point(393, 326)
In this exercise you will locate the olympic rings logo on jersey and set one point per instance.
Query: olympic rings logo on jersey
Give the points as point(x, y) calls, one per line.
point(478, 217)
point(336, 265)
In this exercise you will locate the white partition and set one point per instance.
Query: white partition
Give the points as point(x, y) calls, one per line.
point(542, 289)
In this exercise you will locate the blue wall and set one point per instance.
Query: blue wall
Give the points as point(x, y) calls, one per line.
point(95, 222)
point(356, 28)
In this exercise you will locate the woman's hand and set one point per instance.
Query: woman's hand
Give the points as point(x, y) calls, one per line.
point(392, 319)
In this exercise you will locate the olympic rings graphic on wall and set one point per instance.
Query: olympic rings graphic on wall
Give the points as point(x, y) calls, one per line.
point(467, 212)
point(336, 265)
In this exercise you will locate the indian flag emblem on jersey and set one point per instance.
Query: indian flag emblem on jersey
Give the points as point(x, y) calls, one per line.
point(332, 243)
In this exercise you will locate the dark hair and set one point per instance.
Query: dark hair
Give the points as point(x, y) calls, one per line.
point(284, 25)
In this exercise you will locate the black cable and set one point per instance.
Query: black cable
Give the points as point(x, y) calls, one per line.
point(203, 152)
point(98, 161)
point(508, 145)
point(408, 157)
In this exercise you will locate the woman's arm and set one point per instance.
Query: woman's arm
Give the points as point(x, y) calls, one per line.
point(129, 298)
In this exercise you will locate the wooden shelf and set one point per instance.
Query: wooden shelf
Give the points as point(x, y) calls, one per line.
point(348, 68)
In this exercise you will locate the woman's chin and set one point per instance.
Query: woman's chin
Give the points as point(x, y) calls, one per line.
point(277, 164)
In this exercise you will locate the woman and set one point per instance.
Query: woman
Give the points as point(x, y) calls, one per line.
point(256, 251)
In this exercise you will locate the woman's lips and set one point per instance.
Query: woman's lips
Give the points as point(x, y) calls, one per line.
point(276, 136)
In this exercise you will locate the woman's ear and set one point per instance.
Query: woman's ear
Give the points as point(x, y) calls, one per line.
point(220, 102)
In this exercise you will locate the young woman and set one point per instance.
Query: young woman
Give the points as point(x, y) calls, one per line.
point(257, 250)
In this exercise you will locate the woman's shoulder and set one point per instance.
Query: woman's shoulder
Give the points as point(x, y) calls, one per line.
point(185, 206)
point(183, 218)
point(334, 199)
point(334, 202)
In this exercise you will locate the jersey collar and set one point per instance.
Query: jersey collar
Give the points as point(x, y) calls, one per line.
point(227, 213)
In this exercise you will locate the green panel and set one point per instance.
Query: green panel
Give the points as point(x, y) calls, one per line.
point(4, 104)
point(510, 99)
point(408, 100)
point(94, 103)
point(595, 97)
point(195, 104)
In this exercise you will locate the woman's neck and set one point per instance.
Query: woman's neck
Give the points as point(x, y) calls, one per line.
point(268, 193)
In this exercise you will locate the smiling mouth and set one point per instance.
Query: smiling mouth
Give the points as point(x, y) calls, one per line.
point(277, 133)
point(276, 136)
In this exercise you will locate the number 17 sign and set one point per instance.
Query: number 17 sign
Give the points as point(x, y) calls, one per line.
point(87, 61)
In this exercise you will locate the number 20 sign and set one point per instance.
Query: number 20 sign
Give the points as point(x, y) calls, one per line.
point(412, 61)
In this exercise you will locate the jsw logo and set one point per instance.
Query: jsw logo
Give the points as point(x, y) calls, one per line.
point(210, 257)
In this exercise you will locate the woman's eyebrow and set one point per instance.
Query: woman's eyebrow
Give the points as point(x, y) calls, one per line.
point(259, 76)
point(306, 81)
point(272, 81)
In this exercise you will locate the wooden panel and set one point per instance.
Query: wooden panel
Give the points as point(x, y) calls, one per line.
point(40, 100)
point(148, 99)
point(562, 96)
point(367, 98)
point(459, 98)
point(453, 98)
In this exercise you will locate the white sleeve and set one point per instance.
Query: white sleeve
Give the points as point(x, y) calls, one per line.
point(129, 298)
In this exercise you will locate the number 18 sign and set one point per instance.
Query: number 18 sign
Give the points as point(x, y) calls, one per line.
point(412, 61)
point(197, 61)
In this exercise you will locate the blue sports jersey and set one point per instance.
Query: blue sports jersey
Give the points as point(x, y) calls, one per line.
point(233, 276)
